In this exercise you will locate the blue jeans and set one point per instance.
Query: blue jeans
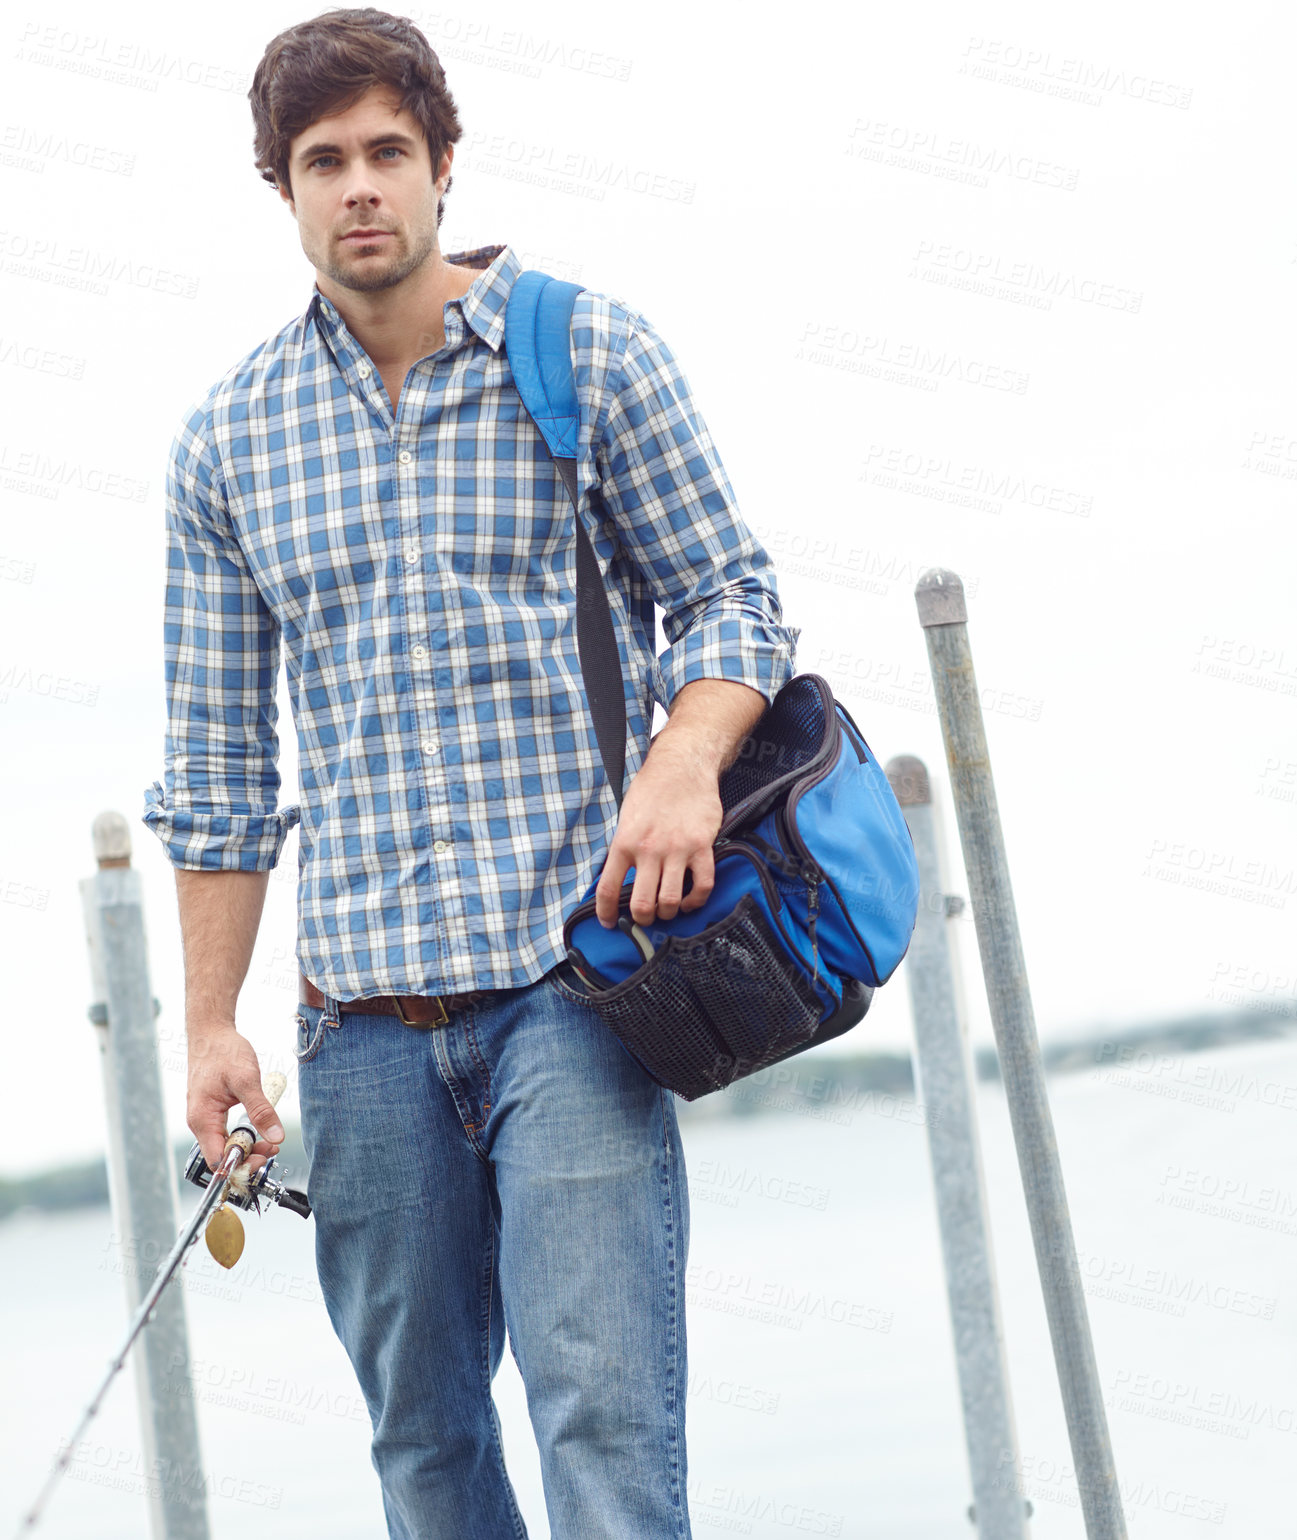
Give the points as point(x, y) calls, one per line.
point(516, 1169)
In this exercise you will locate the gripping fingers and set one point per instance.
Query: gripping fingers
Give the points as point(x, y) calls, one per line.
point(672, 886)
point(644, 895)
point(702, 867)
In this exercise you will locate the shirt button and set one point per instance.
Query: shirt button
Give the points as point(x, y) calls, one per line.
point(441, 847)
point(363, 371)
point(430, 746)
point(412, 554)
point(405, 457)
point(419, 652)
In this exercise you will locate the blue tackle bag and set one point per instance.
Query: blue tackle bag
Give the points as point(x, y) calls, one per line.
point(817, 887)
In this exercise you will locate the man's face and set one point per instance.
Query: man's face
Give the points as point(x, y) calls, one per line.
point(366, 169)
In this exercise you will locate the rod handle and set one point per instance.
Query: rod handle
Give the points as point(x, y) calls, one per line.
point(272, 1086)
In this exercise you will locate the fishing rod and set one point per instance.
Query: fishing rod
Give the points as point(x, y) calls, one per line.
point(229, 1183)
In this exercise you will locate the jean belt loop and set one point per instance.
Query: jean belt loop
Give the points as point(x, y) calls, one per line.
point(332, 1016)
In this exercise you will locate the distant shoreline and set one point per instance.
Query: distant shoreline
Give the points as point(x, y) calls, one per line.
point(825, 1083)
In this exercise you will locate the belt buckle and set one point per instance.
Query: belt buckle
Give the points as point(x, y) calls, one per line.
point(405, 1020)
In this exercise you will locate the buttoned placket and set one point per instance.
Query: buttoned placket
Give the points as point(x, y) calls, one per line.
point(415, 390)
point(403, 437)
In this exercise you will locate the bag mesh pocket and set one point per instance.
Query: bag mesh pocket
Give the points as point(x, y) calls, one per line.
point(711, 1008)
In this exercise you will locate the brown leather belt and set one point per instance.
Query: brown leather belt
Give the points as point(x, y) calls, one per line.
point(413, 1010)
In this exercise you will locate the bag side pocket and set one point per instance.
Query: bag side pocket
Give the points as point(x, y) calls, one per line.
point(708, 1009)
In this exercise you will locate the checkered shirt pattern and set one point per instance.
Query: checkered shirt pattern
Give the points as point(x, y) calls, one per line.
point(417, 574)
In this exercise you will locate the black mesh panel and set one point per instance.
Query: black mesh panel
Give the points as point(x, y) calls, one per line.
point(706, 1011)
point(786, 739)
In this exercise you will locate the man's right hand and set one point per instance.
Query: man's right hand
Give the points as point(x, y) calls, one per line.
point(223, 1072)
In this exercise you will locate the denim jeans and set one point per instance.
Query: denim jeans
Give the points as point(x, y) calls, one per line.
point(512, 1170)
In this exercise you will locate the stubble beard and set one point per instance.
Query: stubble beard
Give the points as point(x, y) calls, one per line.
point(368, 276)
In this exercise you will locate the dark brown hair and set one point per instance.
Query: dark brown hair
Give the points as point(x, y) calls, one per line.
point(326, 65)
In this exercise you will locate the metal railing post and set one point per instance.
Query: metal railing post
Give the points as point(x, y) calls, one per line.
point(943, 615)
point(142, 1180)
point(946, 1087)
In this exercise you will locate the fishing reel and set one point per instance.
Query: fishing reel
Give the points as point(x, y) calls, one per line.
point(260, 1184)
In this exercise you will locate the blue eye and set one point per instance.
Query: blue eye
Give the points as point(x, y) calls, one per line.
point(395, 150)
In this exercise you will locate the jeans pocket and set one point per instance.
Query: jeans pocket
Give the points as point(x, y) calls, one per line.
point(309, 1039)
point(563, 980)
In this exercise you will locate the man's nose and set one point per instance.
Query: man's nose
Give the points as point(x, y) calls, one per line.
point(362, 189)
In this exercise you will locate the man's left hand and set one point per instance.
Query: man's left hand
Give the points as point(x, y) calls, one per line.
point(671, 815)
point(669, 820)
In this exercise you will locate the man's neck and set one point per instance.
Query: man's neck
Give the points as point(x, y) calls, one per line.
point(399, 326)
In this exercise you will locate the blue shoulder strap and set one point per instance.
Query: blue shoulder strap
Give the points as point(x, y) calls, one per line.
point(538, 341)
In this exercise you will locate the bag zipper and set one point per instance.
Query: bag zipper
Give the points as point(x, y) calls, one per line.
point(773, 898)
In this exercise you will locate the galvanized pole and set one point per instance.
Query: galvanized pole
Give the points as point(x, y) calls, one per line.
point(944, 616)
point(142, 1180)
point(945, 1079)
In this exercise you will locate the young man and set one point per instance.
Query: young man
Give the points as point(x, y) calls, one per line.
point(366, 493)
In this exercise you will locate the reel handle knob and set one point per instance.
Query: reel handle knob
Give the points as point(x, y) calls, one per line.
point(296, 1202)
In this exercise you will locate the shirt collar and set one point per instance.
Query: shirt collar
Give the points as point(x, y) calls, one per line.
point(482, 304)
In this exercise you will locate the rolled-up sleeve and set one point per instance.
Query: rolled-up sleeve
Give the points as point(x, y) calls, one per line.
point(215, 808)
point(666, 489)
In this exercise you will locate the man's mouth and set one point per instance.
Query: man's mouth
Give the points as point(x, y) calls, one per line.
point(362, 236)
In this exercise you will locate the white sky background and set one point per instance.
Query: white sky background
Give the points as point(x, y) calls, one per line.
point(732, 179)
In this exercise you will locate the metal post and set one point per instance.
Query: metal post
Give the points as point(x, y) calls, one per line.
point(944, 616)
point(945, 1079)
point(142, 1180)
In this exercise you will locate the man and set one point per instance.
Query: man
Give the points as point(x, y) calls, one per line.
point(365, 493)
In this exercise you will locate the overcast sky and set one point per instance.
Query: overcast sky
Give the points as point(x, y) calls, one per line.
point(1002, 290)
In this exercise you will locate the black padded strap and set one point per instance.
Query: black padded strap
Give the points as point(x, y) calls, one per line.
point(596, 643)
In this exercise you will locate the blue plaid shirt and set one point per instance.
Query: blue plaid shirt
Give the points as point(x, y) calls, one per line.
point(417, 573)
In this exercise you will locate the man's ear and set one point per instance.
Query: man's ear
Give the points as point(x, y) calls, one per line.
point(443, 174)
point(288, 199)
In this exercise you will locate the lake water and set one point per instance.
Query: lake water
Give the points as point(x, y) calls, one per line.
point(837, 1411)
